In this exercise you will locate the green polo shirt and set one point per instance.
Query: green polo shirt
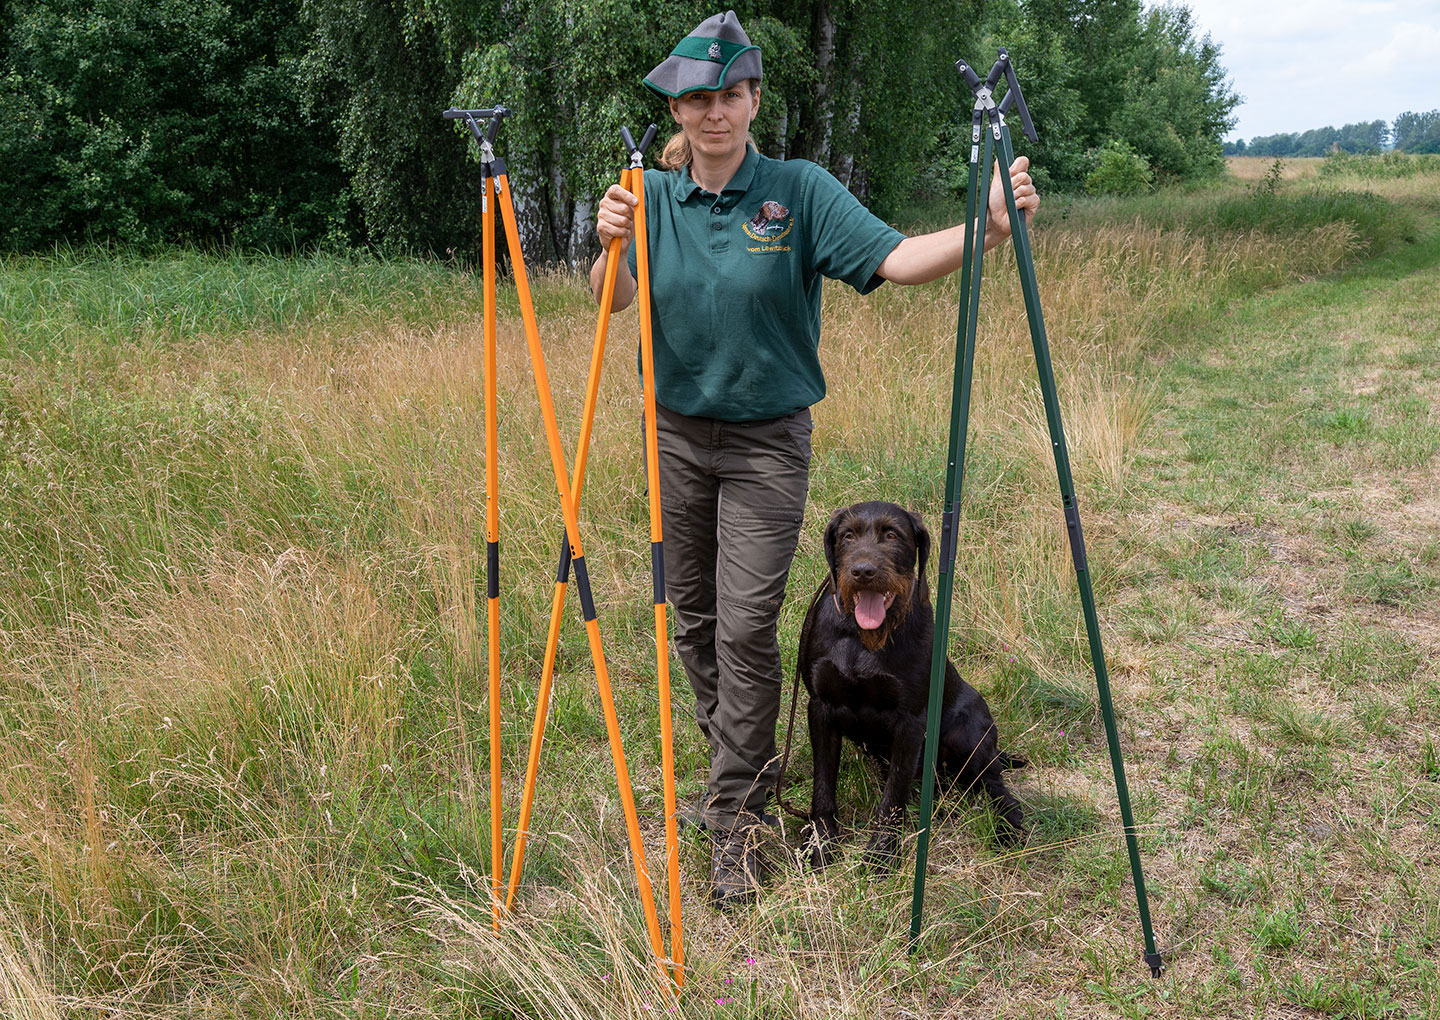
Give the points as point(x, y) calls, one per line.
point(735, 283)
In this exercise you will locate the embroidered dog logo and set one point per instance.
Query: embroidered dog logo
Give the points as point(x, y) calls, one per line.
point(769, 212)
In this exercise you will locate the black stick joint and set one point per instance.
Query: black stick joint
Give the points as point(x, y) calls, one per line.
point(582, 581)
point(657, 570)
point(1077, 539)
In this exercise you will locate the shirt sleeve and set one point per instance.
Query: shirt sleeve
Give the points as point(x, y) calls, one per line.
point(844, 240)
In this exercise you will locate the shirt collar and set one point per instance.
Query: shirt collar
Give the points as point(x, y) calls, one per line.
point(687, 188)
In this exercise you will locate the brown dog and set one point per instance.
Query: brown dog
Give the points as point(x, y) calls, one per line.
point(865, 659)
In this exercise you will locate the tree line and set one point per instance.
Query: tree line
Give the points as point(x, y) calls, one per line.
point(286, 124)
point(1411, 132)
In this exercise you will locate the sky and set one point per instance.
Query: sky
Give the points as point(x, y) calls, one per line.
point(1301, 64)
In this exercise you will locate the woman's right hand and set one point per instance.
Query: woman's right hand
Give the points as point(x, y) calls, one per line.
point(616, 217)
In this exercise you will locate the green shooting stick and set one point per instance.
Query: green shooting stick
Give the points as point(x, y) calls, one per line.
point(999, 138)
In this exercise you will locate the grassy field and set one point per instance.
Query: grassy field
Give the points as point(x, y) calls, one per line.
point(243, 736)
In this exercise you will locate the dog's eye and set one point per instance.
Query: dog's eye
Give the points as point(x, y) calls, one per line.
point(889, 534)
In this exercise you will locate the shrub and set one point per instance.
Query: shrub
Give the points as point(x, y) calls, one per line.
point(1119, 170)
point(1377, 166)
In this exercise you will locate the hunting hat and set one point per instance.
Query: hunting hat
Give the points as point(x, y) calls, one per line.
point(717, 54)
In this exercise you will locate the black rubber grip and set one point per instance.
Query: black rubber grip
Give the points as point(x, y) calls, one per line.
point(628, 139)
point(455, 113)
point(582, 581)
point(1014, 98)
point(496, 116)
point(947, 542)
point(657, 570)
point(492, 569)
point(1077, 540)
point(648, 137)
point(997, 70)
point(562, 572)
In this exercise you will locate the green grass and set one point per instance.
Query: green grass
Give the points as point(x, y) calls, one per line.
point(243, 708)
point(106, 296)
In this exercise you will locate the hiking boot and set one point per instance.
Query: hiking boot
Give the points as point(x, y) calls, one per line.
point(735, 870)
point(691, 817)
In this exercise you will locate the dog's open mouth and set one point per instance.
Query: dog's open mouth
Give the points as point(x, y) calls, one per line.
point(870, 607)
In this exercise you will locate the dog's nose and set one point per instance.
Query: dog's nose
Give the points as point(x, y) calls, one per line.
point(863, 571)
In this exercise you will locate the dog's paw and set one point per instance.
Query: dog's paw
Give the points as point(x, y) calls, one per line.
point(823, 844)
point(1011, 837)
point(883, 851)
point(822, 855)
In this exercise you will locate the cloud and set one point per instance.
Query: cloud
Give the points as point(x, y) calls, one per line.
point(1411, 47)
point(1301, 64)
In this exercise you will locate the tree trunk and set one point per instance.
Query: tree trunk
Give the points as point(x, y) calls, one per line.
point(529, 218)
point(813, 140)
point(583, 242)
point(844, 168)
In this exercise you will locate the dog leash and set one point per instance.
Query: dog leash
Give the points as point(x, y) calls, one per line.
point(790, 809)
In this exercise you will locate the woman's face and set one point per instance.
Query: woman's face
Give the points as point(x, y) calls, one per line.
point(717, 123)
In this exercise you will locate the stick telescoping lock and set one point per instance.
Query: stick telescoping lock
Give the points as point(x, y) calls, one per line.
point(998, 138)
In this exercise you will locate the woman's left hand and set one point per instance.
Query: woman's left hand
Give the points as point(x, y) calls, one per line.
point(1026, 197)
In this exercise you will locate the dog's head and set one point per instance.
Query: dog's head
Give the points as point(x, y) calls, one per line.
point(876, 553)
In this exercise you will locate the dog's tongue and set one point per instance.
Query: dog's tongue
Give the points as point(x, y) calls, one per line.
point(869, 609)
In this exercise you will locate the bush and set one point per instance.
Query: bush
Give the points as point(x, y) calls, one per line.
point(1378, 223)
point(1378, 166)
point(157, 121)
point(1119, 170)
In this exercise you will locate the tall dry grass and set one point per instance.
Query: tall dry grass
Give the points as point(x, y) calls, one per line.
point(241, 648)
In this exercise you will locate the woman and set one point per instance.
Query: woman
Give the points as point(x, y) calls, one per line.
point(738, 246)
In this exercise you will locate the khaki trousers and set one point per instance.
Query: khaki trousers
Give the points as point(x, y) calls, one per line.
point(732, 502)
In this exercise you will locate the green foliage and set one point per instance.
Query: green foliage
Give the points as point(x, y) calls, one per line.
point(1411, 133)
point(1094, 71)
point(283, 123)
point(858, 89)
point(101, 297)
point(160, 121)
point(571, 72)
point(1119, 170)
point(380, 74)
point(1046, 66)
point(1377, 223)
point(1379, 166)
point(1269, 185)
point(1418, 132)
point(1176, 101)
point(1370, 136)
point(1278, 929)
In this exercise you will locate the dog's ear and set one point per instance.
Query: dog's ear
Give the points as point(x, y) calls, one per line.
point(830, 530)
point(922, 544)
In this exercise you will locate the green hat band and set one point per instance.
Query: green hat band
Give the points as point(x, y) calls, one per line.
point(699, 47)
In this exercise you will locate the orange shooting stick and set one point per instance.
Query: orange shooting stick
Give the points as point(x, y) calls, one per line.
point(562, 573)
point(577, 561)
point(657, 555)
point(492, 544)
point(495, 173)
